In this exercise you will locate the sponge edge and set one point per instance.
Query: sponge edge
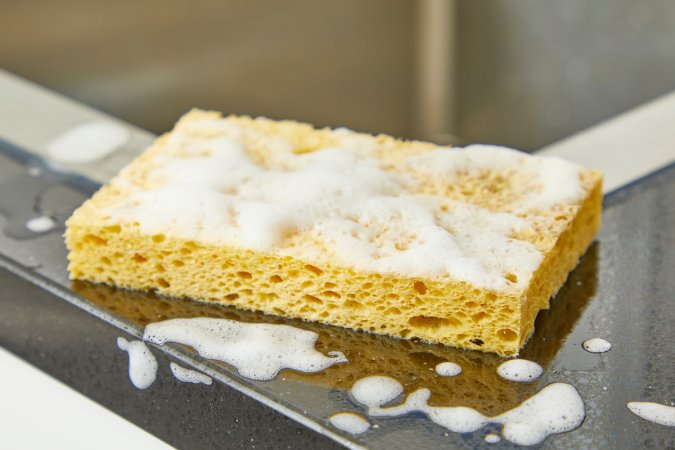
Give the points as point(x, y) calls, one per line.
point(461, 247)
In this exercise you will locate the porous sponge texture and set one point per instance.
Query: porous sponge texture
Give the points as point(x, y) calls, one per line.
point(104, 249)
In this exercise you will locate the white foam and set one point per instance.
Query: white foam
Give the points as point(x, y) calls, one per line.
point(492, 438)
point(40, 224)
point(142, 363)
point(350, 422)
point(558, 179)
point(376, 390)
point(87, 142)
point(596, 345)
point(188, 375)
point(520, 370)
point(258, 351)
point(210, 189)
point(448, 369)
point(654, 412)
point(555, 409)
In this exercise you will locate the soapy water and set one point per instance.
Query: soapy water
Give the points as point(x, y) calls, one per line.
point(520, 370)
point(258, 351)
point(40, 224)
point(376, 390)
point(556, 408)
point(188, 375)
point(654, 412)
point(142, 363)
point(492, 438)
point(448, 369)
point(596, 345)
point(350, 422)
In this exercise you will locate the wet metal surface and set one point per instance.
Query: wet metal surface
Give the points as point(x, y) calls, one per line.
point(621, 291)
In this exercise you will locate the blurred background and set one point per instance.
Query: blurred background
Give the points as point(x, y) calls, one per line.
point(522, 73)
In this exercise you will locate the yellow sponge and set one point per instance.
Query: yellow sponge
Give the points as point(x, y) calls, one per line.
point(457, 246)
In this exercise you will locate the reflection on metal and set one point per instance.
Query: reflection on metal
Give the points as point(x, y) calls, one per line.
point(434, 99)
point(553, 325)
point(33, 117)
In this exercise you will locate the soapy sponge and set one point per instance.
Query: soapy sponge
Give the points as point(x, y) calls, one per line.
point(457, 246)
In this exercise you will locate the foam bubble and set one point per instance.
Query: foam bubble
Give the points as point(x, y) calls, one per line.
point(448, 369)
point(258, 351)
point(654, 412)
point(188, 375)
point(376, 390)
point(520, 370)
point(142, 363)
point(492, 438)
point(596, 345)
point(40, 224)
point(555, 409)
point(350, 422)
point(459, 419)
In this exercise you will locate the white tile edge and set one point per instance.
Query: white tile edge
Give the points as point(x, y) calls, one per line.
point(39, 411)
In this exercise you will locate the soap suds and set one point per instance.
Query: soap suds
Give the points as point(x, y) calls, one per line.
point(87, 142)
point(142, 363)
point(492, 438)
point(654, 412)
point(258, 351)
point(350, 422)
point(555, 409)
point(40, 224)
point(448, 369)
point(376, 390)
point(596, 345)
point(520, 370)
point(188, 375)
point(559, 179)
point(207, 187)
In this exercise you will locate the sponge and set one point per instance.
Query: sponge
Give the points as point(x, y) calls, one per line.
point(457, 246)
